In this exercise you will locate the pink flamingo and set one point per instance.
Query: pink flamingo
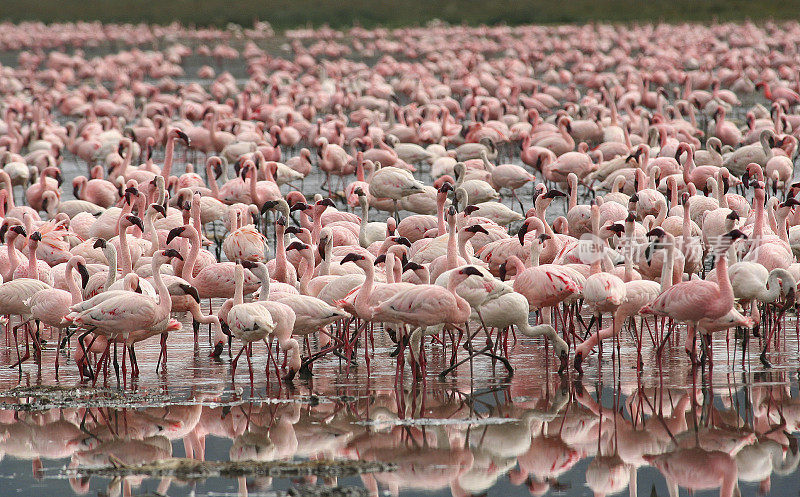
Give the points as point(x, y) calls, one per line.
point(691, 301)
point(51, 306)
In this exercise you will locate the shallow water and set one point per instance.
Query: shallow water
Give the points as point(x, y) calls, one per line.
point(478, 431)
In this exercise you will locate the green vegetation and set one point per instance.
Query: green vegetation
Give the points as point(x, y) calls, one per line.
point(337, 13)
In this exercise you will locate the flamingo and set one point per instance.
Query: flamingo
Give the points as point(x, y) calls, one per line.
point(691, 301)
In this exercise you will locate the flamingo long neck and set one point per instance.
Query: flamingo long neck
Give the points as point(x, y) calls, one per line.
point(758, 227)
point(212, 181)
point(359, 166)
point(452, 254)
point(195, 213)
point(773, 223)
point(13, 258)
point(662, 212)
point(263, 294)
point(307, 274)
point(718, 128)
point(364, 293)
point(194, 251)
point(628, 269)
point(123, 247)
point(325, 264)
point(440, 201)
point(764, 139)
point(111, 258)
point(389, 268)
point(362, 229)
point(305, 222)
point(541, 206)
point(317, 227)
point(238, 293)
point(141, 206)
point(280, 253)
point(686, 227)
point(722, 198)
point(254, 198)
point(150, 230)
point(74, 292)
point(688, 166)
point(536, 250)
point(724, 282)
point(169, 153)
point(33, 269)
point(463, 238)
point(781, 228)
point(463, 310)
point(573, 192)
point(126, 161)
point(667, 267)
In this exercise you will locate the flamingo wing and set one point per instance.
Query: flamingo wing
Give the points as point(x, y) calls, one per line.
point(132, 311)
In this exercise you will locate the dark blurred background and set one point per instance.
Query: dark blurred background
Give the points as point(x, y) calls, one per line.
point(284, 14)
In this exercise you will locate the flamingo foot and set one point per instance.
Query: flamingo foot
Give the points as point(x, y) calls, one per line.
point(217, 352)
point(400, 345)
point(340, 355)
point(564, 363)
point(577, 364)
point(305, 369)
point(764, 360)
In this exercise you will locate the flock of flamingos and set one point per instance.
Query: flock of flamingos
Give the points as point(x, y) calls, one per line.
point(446, 189)
point(652, 210)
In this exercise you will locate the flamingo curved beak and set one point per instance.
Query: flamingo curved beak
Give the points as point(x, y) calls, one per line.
point(175, 232)
point(173, 253)
point(470, 271)
point(84, 274)
point(351, 257)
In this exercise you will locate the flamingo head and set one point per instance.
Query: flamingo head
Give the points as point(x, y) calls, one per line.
point(173, 254)
point(84, 272)
point(381, 259)
point(412, 266)
point(476, 228)
point(790, 202)
point(131, 191)
point(268, 206)
point(401, 240)
point(5, 228)
point(100, 243)
point(616, 228)
point(470, 271)
point(135, 221)
point(523, 230)
point(300, 206)
point(36, 236)
point(183, 137)
point(735, 235)
point(551, 194)
point(352, 257)
point(297, 245)
point(175, 232)
point(191, 291)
